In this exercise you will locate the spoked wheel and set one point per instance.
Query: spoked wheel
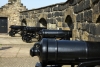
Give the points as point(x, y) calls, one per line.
point(28, 40)
point(23, 38)
point(11, 34)
point(39, 37)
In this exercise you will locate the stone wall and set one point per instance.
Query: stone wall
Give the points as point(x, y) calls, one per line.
point(12, 11)
point(87, 19)
point(80, 16)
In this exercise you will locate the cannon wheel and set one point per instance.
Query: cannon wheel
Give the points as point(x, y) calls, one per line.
point(28, 40)
point(11, 34)
point(39, 37)
point(23, 38)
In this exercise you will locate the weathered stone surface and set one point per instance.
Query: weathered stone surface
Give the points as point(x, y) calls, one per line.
point(78, 1)
point(96, 9)
point(64, 25)
point(47, 9)
point(87, 4)
point(73, 2)
point(78, 18)
point(94, 1)
point(59, 24)
point(50, 15)
point(52, 26)
point(97, 30)
point(84, 17)
point(79, 25)
point(89, 16)
point(75, 8)
point(85, 36)
point(59, 19)
point(80, 6)
point(55, 8)
point(12, 11)
point(92, 28)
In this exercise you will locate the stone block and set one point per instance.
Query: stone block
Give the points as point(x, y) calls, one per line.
point(64, 25)
point(59, 7)
point(59, 24)
point(75, 34)
point(55, 8)
point(65, 28)
point(80, 6)
point(97, 30)
point(63, 7)
point(49, 15)
point(85, 27)
point(94, 1)
point(89, 16)
point(85, 36)
point(51, 26)
point(73, 2)
point(48, 20)
point(61, 13)
point(54, 21)
point(78, 18)
point(56, 14)
point(87, 4)
point(96, 9)
point(79, 25)
point(78, 1)
point(92, 28)
point(91, 37)
point(75, 9)
point(51, 21)
point(85, 16)
point(59, 19)
point(82, 17)
point(63, 19)
point(97, 39)
point(47, 9)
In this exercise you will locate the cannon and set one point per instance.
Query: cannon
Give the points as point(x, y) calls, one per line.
point(62, 34)
point(30, 32)
point(55, 53)
point(16, 29)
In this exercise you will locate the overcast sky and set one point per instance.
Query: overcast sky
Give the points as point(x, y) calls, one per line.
point(30, 4)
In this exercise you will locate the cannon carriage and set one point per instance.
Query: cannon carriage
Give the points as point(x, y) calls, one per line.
point(30, 32)
point(16, 29)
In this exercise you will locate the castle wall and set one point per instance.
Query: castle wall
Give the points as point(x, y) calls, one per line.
point(12, 11)
point(80, 16)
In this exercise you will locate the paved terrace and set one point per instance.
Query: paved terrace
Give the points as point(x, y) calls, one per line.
point(15, 53)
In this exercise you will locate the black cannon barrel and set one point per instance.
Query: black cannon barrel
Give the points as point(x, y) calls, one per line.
point(16, 27)
point(64, 34)
point(65, 52)
point(35, 29)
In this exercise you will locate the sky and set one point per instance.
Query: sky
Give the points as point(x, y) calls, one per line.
point(31, 4)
